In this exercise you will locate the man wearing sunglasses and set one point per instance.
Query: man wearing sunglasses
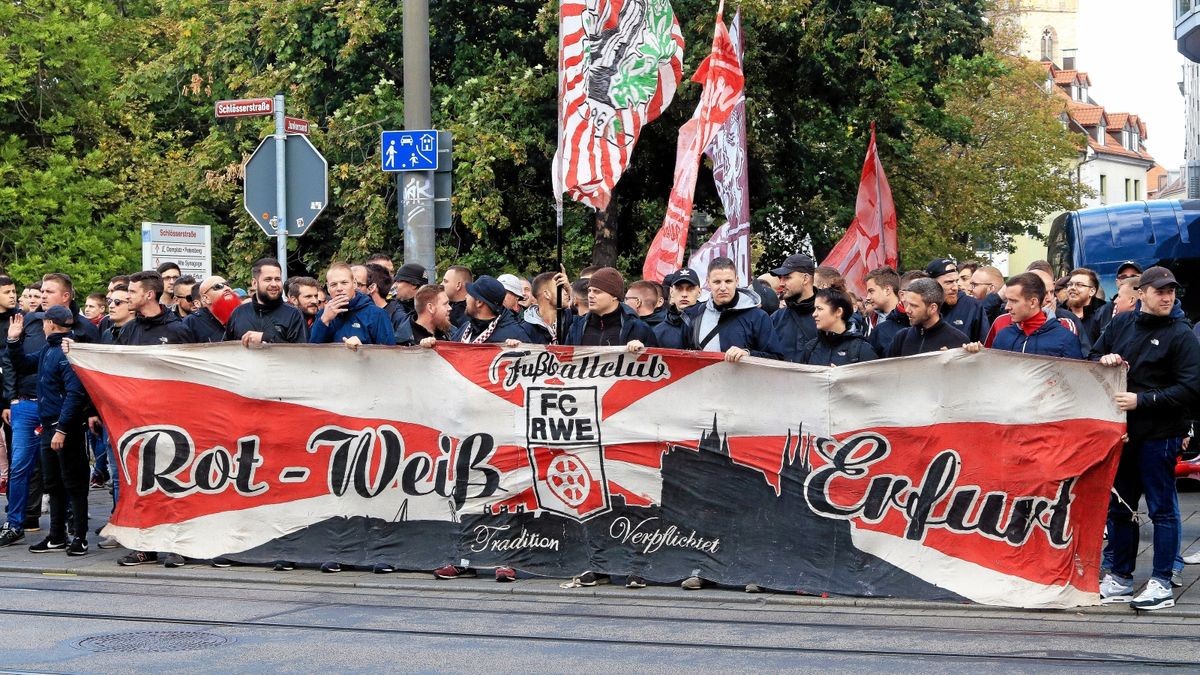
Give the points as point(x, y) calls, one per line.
point(205, 326)
point(182, 296)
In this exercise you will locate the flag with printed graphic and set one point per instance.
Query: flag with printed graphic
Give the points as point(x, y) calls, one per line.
point(619, 64)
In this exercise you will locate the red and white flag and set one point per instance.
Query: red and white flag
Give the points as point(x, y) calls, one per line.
point(619, 64)
point(870, 242)
point(724, 87)
point(731, 174)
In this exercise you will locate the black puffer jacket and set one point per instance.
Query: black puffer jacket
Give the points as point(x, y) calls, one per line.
point(837, 349)
point(164, 329)
point(277, 321)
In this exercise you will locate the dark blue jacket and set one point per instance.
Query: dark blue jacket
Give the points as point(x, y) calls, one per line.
point(967, 316)
point(401, 318)
point(1050, 339)
point(204, 326)
point(918, 340)
point(795, 327)
point(672, 333)
point(886, 331)
point(164, 329)
point(632, 328)
point(507, 328)
point(746, 326)
point(34, 339)
point(62, 400)
point(837, 349)
point(278, 322)
point(362, 319)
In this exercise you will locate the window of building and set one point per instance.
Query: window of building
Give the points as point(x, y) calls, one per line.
point(1048, 39)
point(1128, 190)
point(1137, 189)
point(1075, 92)
point(1103, 189)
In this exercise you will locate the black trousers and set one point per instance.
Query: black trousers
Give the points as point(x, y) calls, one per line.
point(65, 476)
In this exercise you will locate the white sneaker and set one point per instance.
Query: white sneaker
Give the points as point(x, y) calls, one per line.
point(1154, 596)
point(1113, 589)
point(1193, 559)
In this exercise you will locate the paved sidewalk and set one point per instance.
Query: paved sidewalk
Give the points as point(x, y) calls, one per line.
point(102, 563)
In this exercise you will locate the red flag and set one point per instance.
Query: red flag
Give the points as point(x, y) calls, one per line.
point(724, 87)
point(870, 242)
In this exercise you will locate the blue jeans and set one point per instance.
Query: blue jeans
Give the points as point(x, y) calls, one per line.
point(114, 469)
point(97, 444)
point(1147, 468)
point(26, 457)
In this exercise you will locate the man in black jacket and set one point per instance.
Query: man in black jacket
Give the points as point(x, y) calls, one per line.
point(609, 322)
point(267, 318)
point(1163, 385)
point(155, 324)
point(957, 309)
point(683, 288)
point(794, 320)
point(204, 325)
point(927, 332)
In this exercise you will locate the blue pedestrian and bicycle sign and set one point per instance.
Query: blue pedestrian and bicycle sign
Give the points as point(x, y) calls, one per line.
point(409, 150)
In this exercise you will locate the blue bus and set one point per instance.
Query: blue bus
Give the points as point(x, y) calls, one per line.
point(1160, 232)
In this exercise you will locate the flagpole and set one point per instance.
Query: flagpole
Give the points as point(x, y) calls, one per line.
point(558, 181)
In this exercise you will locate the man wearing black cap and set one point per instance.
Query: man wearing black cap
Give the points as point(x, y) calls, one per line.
point(1127, 270)
point(409, 278)
point(683, 291)
point(958, 310)
point(794, 320)
point(1163, 358)
point(62, 404)
point(489, 321)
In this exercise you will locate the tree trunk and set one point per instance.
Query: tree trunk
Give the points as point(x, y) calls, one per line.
point(604, 251)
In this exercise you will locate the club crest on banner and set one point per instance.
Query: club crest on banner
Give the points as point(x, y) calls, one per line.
point(566, 453)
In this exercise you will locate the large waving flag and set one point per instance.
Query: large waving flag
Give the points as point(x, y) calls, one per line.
point(731, 175)
point(619, 64)
point(724, 88)
point(870, 242)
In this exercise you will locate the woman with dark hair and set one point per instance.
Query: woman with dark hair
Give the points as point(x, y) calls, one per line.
point(836, 344)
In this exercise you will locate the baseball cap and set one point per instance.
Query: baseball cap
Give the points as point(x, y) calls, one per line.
point(1129, 263)
point(1157, 277)
point(61, 316)
point(797, 262)
point(937, 268)
point(686, 275)
point(512, 284)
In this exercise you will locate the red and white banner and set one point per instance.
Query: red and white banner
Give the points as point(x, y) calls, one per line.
point(560, 460)
point(619, 64)
point(724, 88)
point(870, 241)
point(731, 173)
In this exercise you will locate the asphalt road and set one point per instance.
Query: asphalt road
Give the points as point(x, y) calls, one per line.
point(65, 623)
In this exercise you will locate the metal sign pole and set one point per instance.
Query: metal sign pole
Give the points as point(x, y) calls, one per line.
point(280, 187)
point(416, 187)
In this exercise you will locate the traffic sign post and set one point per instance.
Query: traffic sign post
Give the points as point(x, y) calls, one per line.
point(306, 185)
point(280, 187)
point(409, 150)
point(189, 246)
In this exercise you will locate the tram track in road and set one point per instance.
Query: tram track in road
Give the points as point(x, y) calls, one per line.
point(1023, 659)
point(542, 607)
point(498, 610)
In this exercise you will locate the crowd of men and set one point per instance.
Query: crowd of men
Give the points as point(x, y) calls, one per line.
point(799, 312)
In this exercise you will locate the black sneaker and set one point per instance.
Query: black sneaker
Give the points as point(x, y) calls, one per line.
point(78, 546)
point(590, 578)
point(331, 567)
point(383, 568)
point(45, 546)
point(635, 582)
point(222, 562)
point(32, 525)
point(138, 558)
point(284, 566)
point(173, 560)
point(9, 536)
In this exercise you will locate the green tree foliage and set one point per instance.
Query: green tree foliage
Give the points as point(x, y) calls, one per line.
point(106, 120)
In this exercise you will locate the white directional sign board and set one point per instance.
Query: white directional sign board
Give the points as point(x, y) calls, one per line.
point(189, 246)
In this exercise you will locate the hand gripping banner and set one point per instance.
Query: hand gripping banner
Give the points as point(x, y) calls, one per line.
point(943, 476)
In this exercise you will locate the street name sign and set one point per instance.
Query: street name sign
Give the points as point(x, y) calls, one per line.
point(245, 107)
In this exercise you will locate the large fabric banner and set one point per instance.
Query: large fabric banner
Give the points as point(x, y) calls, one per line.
point(943, 476)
